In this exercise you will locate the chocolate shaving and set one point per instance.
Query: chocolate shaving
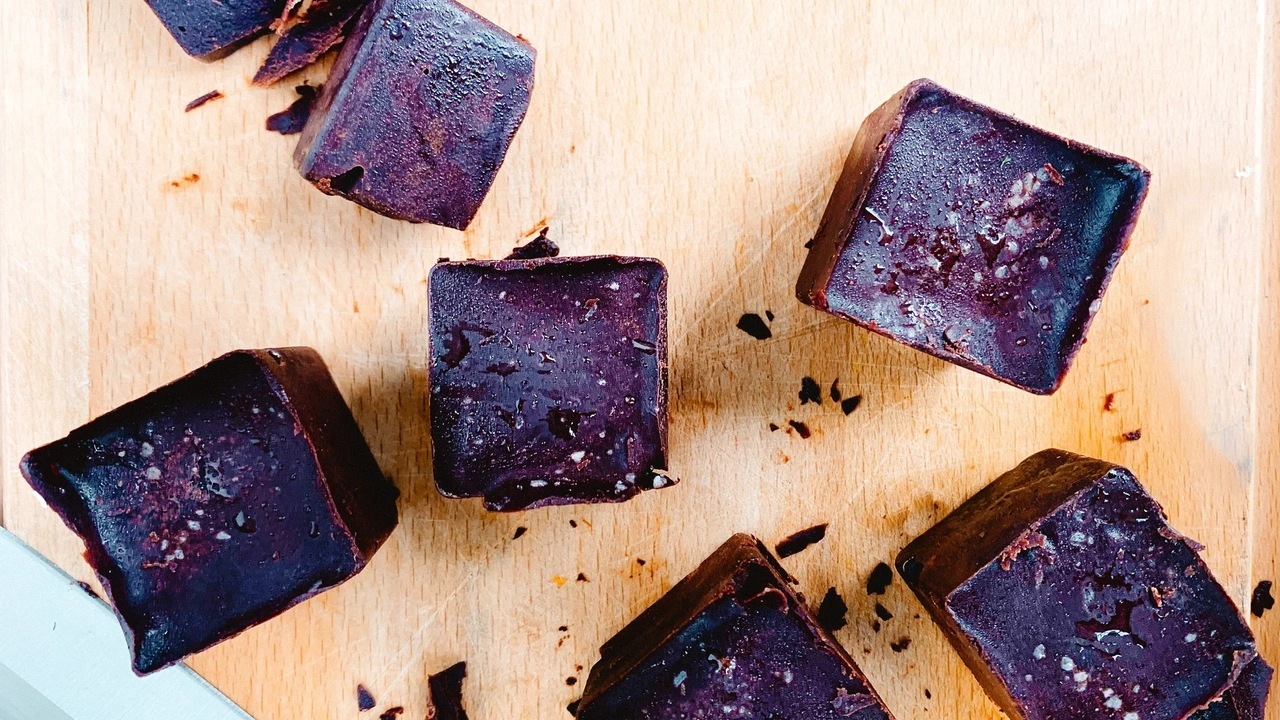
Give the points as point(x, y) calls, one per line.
point(801, 429)
point(203, 99)
point(801, 541)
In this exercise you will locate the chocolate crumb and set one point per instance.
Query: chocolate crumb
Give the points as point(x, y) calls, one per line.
point(539, 247)
point(800, 541)
point(928, 695)
point(364, 699)
point(640, 560)
point(800, 428)
point(809, 391)
point(851, 404)
point(836, 396)
point(573, 523)
point(292, 119)
point(563, 628)
point(1109, 405)
point(880, 579)
point(809, 244)
point(901, 645)
point(831, 611)
point(768, 314)
point(446, 692)
point(573, 707)
point(519, 531)
point(1261, 600)
point(751, 324)
point(203, 99)
point(1132, 435)
point(875, 625)
point(89, 589)
point(582, 578)
point(773, 427)
point(391, 713)
point(571, 681)
point(883, 613)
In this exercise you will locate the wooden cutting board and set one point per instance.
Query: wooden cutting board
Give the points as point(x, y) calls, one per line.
point(140, 241)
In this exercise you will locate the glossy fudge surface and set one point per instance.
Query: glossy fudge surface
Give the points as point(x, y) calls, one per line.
point(548, 379)
point(1069, 596)
point(733, 639)
point(217, 501)
point(418, 111)
point(211, 29)
point(972, 236)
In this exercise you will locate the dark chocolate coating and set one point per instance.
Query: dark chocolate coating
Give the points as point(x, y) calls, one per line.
point(733, 639)
point(323, 26)
point(418, 111)
point(219, 500)
point(548, 379)
point(968, 234)
point(1066, 592)
point(212, 29)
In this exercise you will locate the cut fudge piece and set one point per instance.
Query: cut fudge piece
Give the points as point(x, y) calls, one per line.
point(1066, 592)
point(418, 111)
point(212, 29)
point(219, 500)
point(549, 379)
point(968, 234)
point(733, 639)
point(306, 35)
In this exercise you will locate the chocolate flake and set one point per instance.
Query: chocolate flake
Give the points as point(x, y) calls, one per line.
point(1261, 600)
point(848, 405)
point(801, 541)
point(364, 698)
point(880, 579)
point(800, 428)
point(901, 645)
point(291, 120)
point(1109, 405)
point(751, 324)
point(519, 531)
point(539, 247)
point(836, 396)
point(571, 681)
point(768, 314)
point(832, 610)
point(809, 391)
point(203, 99)
point(446, 692)
point(883, 613)
point(582, 578)
point(1132, 435)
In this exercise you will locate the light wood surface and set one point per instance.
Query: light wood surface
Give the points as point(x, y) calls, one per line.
point(140, 241)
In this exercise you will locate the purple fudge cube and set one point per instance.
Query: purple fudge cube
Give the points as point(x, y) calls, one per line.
point(418, 111)
point(968, 234)
point(732, 640)
point(549, 379)
point(1066, 592)
point(219, 500)
point(212, 29)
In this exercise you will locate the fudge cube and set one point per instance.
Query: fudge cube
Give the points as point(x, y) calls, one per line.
point(212, 29)
point(418, 111)
point(968, 234)
point(548, 379)
point(219, 500)
point(1066, 592)
point(733, 639)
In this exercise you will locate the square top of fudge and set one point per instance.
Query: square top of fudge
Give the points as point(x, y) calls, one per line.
point(970, 235)
point(548, 379)
point(1067, 593)
point(733, 639)
point(212, 29)
point(219, 500)
point(418, 111)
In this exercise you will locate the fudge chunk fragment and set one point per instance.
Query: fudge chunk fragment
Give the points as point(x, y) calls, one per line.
point(213, 29)
point(733, 639)
point(219, 500)
point(1066, 592)
point(549, 379)
point(968, 234)
point(418, 111)
point(307, 34)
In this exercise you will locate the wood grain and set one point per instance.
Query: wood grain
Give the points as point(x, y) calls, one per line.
point(139, 241)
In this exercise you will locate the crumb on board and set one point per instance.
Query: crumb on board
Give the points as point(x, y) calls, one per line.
point(519, 531)
point(848, 405)
point(753, 325)
point(203, 100)
point(809, 391)
point(832, 611)
point(801, 429)
point(800, 541)
point(879, 580)
point(1262, 600)
point(1132, 435)
point(901, 645)
point(364, 698)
